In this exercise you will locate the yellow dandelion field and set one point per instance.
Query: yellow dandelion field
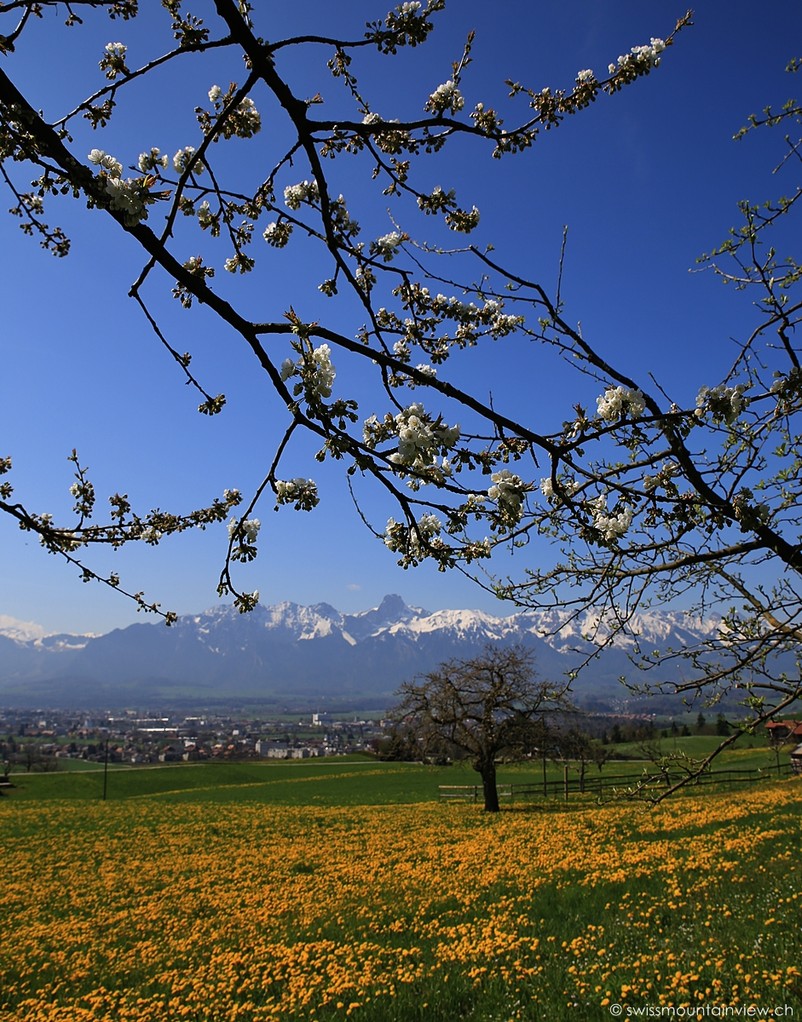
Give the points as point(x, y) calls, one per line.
point(141, 911)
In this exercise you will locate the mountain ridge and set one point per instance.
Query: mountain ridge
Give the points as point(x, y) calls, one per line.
point(289, 652)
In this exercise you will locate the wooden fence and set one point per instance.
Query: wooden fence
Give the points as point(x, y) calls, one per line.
point(607, 785)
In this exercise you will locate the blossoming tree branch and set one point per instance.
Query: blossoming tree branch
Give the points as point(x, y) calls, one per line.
point(645, 496)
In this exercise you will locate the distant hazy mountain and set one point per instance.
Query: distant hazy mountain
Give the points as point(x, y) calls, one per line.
point(294, 656)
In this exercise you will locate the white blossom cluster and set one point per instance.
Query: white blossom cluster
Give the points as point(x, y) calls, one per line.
point(445, 97)
point(665, 474)
point(247, 117)
point(247, 530)
point(585, 77)
point(195, 266)
point(278, 233)
point(305, 191)
point(243, 121)
point(508, 492)
point(316, 372)
point(239, 261)
point(611, 526)
point(385, 246)
point(182, 158)
point(125, 196)
point(206, 218)
point(422, 442)
point(648, 55)
point(429, 371)
point(565, 486)
point(113, 62)
point(390, 140)
point(724, 403)
point(301, 492)
point(67, 541)
point(412, 542)
point(106, 162)
point(243, 536)
point(436, 200)
point(500, 323)
point(153, 160)
point(84, 493)
point(470, 317)
point(616, 402)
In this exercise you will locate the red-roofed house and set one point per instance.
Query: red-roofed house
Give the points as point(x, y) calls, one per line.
point(782, 731)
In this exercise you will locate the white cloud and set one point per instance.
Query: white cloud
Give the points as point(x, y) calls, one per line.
point(16, 629)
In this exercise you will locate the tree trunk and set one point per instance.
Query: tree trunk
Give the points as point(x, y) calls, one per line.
point(489, 787)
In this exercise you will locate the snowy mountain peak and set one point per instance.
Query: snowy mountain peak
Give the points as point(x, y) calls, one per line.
point(21, 631)
point(293, 652)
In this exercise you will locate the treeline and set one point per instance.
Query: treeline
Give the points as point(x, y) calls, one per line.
point(591, 739)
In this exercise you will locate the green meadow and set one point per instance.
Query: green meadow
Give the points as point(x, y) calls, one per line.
point(349, 780)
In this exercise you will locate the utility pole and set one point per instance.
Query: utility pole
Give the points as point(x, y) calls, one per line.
point(106, 768)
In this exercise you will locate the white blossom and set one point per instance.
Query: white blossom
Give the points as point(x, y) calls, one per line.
point(616, 402)
point(503, 324)
point(182, 158)
point(301, 492)
point(386, 245)
point(152, 160)
point(422, 443)
point(248, 530)
point(305, 191)
point(507, 492)
point(246, 118)
point(113, 62)
point(106, 162)
point(724, 403)
point(316, 372)
point(445, 97)
point(126, 197)
point(426, 370)
point(205, 216)
point(611, 526)
point(409, 541)
point(321, 378)
point(278, 233)
point(648, 55)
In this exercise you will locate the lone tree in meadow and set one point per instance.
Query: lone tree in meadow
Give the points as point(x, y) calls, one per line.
point(486, 707)
point(639, 495)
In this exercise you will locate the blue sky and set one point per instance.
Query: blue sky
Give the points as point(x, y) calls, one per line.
point(645, 180)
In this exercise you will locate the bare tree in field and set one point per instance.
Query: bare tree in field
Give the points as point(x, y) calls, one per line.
point(486, 707)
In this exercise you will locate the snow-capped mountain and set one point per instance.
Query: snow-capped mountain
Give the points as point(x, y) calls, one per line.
point(314, 655)
point(23, 631)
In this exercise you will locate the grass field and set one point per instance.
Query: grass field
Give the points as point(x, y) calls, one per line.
point(337, 780)
point(280, 892)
